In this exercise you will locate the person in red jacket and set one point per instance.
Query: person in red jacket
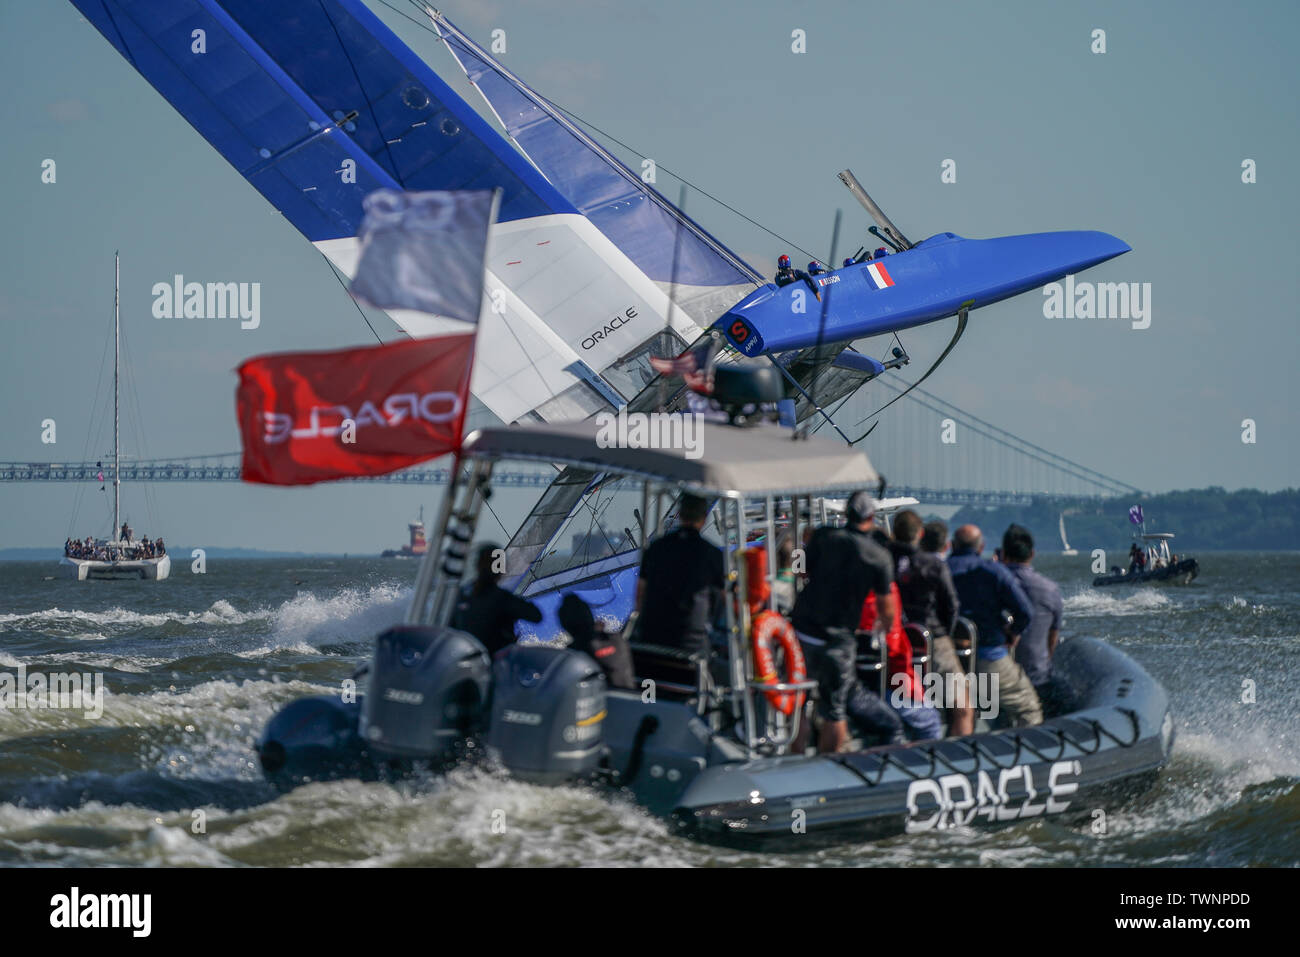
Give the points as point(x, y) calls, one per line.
point(905, 696)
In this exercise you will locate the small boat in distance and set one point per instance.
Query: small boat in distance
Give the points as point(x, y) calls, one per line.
point(418, 545)
point(1065, 544)
point(1152, 562)
point(122, 556)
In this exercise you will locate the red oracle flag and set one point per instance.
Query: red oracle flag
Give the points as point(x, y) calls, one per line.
point(314, 416)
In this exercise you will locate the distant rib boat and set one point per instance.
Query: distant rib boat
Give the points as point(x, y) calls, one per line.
point(1158, 566)
point(122, 556)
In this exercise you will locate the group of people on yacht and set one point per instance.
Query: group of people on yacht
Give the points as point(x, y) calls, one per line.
point(88, 549)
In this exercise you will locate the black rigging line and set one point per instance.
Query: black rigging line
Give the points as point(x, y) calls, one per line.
point(374, 117)
point(85, 449)
point(360, 311)
point(494, 515)
point(683, 179)
point(821, 330)
point(962, 316)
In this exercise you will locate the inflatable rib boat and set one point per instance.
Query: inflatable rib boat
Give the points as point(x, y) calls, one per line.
point(1162, 567)
point(700, 742)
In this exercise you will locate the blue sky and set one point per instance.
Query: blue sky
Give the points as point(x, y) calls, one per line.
point(1144, 141)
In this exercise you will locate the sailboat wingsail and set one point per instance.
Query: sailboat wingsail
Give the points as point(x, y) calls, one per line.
point(320, 104)
point(704, 276)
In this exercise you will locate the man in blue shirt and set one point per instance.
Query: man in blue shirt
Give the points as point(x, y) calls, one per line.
point(987, 591)
point(1038, 642)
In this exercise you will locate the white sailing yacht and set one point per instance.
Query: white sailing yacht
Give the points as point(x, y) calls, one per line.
point(122, 556)
point(1065, 544)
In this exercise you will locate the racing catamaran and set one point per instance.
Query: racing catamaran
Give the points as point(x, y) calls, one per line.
point(591, 272)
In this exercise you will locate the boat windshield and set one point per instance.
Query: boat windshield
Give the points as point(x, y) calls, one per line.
point(602, 521)
point(599, 522)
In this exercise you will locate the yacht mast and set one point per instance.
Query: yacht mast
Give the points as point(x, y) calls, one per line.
point(117, 325)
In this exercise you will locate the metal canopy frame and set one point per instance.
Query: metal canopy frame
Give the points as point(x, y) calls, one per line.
point(443, 568)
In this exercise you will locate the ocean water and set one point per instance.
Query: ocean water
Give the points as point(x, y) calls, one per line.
point(194, 666)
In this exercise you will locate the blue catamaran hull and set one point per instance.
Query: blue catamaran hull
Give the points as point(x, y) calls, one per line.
point(930, 281)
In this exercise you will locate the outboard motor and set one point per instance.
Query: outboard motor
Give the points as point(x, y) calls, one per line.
point(548, 713)
point(428, 687)
point(310, 738)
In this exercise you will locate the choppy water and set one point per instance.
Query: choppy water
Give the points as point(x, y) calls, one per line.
point(194, 666)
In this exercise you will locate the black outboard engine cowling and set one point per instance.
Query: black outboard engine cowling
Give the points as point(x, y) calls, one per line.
point(548, 713)
point(428, 688)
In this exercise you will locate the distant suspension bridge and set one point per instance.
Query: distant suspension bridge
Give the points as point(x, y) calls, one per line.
point(929, 449)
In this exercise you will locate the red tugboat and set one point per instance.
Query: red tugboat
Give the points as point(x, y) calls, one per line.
point(418, 545)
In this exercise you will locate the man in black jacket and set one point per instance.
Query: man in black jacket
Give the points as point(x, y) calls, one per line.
point(930, 599)
point(844, 565)
point(679, 593)
point(486, 610)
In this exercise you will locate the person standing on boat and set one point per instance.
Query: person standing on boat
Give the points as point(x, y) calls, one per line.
point(489, 612)
point(987, 590)
point(679, 593)
point(929, 598)
point(1038, 643)
point(843, 565)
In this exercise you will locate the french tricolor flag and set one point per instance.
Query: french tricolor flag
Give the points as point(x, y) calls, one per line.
point(880, 275)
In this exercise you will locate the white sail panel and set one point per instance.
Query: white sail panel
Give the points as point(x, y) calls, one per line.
point(562, 305)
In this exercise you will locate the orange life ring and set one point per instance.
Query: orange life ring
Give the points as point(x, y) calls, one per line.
point(768, 625)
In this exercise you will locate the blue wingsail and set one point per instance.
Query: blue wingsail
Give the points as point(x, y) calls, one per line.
point(698, 271)
point(247, 107)
point(317, 103)
point(657, 236)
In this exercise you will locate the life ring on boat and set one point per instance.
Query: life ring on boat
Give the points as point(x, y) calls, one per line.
point(769, 627)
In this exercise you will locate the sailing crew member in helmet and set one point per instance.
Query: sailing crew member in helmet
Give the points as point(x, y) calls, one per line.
point(843, 565)
point(987, 590)
point(679, 593)
point(486, 610)
point(815, 268)
point(784, 274)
